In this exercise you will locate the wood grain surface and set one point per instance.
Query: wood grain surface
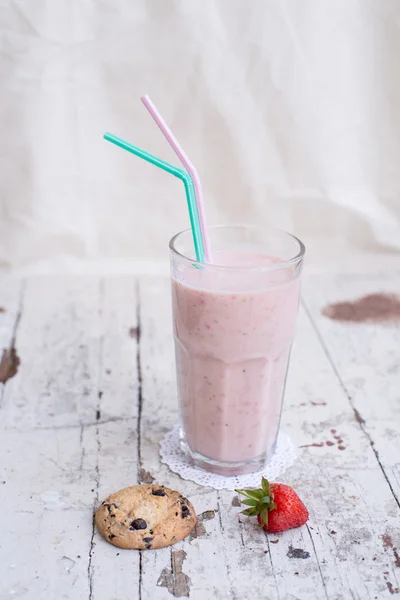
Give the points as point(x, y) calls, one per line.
point(94, 393)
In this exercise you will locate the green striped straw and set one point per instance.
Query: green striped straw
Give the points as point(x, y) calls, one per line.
point(181, 174)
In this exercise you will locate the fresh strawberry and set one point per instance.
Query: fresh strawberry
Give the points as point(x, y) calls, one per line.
point(276, 506)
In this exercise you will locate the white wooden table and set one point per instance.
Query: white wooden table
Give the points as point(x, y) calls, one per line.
point(94, 394)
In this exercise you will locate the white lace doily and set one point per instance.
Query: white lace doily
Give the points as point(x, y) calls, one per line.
point(172, 455)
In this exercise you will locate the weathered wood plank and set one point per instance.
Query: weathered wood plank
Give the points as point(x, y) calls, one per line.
point(46, 519)
point(58, 343)
point(45, 453)
point(337, 483)
point(88, 407)
point(72, 455)
point(365, 357)
point(114, 573)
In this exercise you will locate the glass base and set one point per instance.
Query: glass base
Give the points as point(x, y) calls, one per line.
point(227, 469)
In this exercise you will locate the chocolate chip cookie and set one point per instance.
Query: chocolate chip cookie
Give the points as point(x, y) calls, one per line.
point(145, 517)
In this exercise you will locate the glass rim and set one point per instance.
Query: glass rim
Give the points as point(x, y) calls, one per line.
point(282, 265)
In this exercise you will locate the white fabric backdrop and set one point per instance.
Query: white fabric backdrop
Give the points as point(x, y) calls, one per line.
point(290, 110)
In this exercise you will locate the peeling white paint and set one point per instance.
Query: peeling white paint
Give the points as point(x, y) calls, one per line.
point(75, 419)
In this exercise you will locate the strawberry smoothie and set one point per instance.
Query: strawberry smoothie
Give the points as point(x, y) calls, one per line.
point(233, 329)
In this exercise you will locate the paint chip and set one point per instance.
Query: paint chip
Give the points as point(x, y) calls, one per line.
point(177, 582)
point(315, 445)
point(374, 308)
point(145, 476)
point(9, 364)
point(199, 530)
point(297, 553)
point(388, 544)
point(358, 417)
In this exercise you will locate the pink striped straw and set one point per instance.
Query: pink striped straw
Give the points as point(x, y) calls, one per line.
point(187, 163)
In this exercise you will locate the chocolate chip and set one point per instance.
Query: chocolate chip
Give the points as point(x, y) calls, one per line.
point(148, 540)
point(176, 514)
point(148, 546)
point(112, 516)
point(159, 492)
point(138, 524)
point(111, 536)
point(185, 512)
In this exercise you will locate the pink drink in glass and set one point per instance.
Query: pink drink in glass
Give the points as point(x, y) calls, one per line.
point(234, 323)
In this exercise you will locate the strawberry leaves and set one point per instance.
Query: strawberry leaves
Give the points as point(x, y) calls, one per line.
point(250, 502)
point(260, 501)
point(265, 486)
